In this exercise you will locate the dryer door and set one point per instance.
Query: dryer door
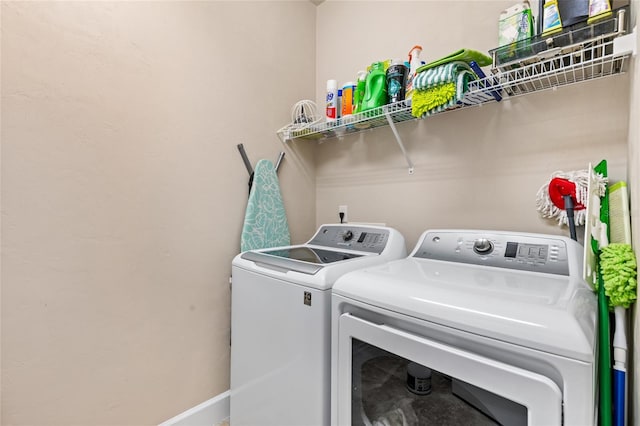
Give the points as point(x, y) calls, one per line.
point(389, 376)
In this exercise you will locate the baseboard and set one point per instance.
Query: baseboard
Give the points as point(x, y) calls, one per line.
point(209, 413)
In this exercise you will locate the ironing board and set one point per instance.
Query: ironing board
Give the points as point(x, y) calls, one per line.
point(265, 222)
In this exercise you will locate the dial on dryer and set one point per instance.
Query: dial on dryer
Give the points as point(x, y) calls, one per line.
point(483, 246)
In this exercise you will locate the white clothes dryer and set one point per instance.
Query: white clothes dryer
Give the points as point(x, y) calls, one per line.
point(474, 327)
point(281, 322)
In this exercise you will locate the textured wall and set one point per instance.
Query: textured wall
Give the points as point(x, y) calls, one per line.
point(123, 195)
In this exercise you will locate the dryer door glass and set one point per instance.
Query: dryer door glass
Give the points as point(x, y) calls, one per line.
point(390, 376)
point(394, 390)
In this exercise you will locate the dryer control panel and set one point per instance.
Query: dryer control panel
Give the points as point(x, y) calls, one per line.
point(352, 237)
point(524, 252)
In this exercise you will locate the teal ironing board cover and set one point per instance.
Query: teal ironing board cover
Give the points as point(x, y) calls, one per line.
point(265, 222)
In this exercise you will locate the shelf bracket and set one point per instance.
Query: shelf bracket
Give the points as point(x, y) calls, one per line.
point(399, 141)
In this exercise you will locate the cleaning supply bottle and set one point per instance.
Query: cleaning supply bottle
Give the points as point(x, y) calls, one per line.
point(375, 93)
point(332, 101)
point(358, 94)
point(396, 81)
point(516, 24)
point(551, 21)
point(347, 98)
point(414, 64)
point(598, 9)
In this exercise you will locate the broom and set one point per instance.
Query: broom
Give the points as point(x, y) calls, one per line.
point(619, 276)
point(618, 264)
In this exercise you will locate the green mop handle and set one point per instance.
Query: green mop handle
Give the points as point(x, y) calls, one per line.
point(604, 361)
point(604, 343)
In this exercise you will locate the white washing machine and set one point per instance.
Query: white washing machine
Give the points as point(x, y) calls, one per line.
point(474, 327)
point(281, 322)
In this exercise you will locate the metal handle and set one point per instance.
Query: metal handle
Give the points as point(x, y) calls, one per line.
point(279, 160)
point(247, 163)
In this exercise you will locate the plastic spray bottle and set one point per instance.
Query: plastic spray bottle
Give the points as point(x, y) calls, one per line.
point(414, 64)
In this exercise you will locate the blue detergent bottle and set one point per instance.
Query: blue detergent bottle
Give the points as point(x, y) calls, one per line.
point(375, 92)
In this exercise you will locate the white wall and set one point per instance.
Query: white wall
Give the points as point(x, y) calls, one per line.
point(123, 195)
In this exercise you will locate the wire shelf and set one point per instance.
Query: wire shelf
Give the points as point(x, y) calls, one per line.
point(376, 117)
point(592, 61)
point(576, 59)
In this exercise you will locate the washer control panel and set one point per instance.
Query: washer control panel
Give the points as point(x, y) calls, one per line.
point(352, 237)
point(525, 252)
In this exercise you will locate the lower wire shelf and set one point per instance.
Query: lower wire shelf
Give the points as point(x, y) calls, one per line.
point(376, 117)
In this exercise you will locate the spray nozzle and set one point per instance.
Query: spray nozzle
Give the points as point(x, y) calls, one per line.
point(417, 49)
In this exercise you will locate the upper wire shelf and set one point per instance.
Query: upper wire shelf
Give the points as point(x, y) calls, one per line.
point(587, 53)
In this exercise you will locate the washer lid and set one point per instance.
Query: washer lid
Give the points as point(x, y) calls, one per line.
point(551, 313)
point(304, 259)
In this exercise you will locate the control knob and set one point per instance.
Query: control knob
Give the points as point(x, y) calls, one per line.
point(483, 246)
point(347, 236)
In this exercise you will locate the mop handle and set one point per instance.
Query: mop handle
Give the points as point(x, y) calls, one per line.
point(619, 368)
point(568, 206)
